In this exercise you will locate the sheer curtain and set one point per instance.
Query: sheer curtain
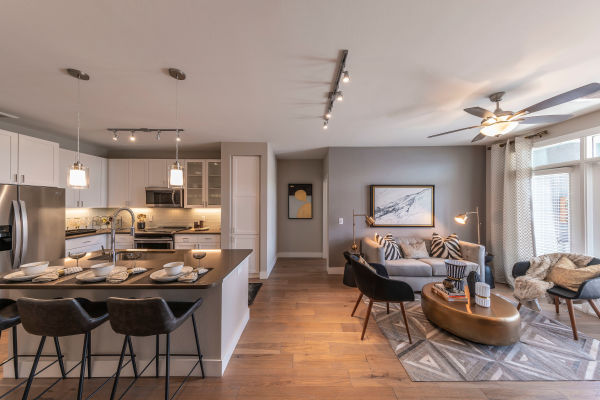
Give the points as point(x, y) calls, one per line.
point(510, 217)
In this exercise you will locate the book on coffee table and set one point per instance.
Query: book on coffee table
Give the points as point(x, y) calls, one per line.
point(441, 291)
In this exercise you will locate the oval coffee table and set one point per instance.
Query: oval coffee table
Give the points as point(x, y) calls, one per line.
point(498, 325)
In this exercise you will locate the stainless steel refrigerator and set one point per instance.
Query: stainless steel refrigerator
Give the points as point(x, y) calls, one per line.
point(32, 225)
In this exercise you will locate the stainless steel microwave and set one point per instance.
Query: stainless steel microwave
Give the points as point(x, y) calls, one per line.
point(164, 197)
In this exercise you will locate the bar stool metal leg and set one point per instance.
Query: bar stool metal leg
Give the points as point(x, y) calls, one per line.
point(132, 355)
point(114, 388)
point(89, 355)
point(15, 352)
point(86, 341)
point(157, 354)
point(34, 367)
point(198, 345)
point(167, 374)
point(61, 364)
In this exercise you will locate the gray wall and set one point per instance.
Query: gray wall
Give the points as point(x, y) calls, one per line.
point(458, 174)
point(299, 235)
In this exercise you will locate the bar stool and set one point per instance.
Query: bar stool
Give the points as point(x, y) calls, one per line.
point(10, 318)
point(57, 318)
point(149, 317)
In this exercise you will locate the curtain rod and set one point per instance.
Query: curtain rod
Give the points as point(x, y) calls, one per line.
point(535, 135)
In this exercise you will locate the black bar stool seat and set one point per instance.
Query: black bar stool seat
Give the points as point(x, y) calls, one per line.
point(10, 318)
point(57, 318)
point(152, 317)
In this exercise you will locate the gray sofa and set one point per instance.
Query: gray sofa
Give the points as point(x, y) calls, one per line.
point(419, 272)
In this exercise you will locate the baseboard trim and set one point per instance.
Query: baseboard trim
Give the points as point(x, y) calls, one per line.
point(335, 270)
point(300, 254)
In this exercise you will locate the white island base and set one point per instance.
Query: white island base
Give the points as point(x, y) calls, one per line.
point(221, 320)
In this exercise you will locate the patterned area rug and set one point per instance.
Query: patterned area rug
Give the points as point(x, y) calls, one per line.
point(546, 351)
point(253, 289)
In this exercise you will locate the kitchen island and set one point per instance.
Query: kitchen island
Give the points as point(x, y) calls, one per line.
point(221, 318)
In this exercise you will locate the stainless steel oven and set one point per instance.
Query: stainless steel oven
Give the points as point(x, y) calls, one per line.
point(165, 242)
point(164, 197)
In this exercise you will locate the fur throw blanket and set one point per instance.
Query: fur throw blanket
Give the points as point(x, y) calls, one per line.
point(533, 284)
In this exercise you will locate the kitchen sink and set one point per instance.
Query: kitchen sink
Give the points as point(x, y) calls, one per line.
point(132, 255)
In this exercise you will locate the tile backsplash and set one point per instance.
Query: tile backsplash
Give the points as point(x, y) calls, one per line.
point(92, 217)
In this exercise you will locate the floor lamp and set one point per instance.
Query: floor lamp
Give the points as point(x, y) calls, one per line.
point(368, 220)
point(463, 218)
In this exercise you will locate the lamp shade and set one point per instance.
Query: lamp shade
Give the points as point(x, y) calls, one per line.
point(461, 218)
point(78, 177)
point(176, 175)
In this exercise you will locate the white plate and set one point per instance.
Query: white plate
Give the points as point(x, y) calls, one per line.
point(202, 271)
point(19, 276)
point(161, 275)
point(89, 277)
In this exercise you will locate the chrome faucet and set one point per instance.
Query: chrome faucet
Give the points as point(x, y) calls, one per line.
point(113, 230)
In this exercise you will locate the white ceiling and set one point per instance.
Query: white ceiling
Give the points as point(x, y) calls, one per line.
point(260, 70)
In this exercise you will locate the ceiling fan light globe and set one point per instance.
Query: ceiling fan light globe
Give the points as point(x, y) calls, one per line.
point(499, 128)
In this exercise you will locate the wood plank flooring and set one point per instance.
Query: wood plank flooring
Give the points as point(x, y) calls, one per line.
point(301, 343)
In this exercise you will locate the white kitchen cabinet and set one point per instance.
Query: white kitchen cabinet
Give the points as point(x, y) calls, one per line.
point(9, 151)
point(86, 244)
point(202, 183)
point(157, 173)
point(118, 183)
point(138, 180)
point(197, 241)
point(38, 162)
point(95, 195)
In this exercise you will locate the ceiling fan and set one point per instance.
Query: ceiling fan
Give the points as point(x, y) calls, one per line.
point(501, 122)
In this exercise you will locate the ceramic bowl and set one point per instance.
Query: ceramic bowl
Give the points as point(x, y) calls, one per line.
point(34, 268)
point(102, 269)
point(173, 268)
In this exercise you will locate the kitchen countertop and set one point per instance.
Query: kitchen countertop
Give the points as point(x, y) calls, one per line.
point(219, 262)
point(127, 231)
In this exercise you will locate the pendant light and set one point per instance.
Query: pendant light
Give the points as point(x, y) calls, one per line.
point(79, 176)
point(176, 169)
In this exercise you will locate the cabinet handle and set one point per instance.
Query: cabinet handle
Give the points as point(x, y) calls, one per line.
point(81, 203)
point(22, 178)
point(16, 178)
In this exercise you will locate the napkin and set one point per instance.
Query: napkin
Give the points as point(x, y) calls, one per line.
point(118, 277)
point(190, 277)
point(52, 276)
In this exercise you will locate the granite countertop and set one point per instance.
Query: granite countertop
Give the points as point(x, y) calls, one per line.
point(210, 231)
point(219, 262)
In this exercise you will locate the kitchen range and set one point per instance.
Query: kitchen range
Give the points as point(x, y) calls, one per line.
point(160, 237)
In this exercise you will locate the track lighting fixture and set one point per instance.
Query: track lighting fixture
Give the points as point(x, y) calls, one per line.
point(336, 94)
point(178, 137)
point(132, 132)
point(132, 137)
point(115, 136)
point(325, 124)
point(158, 135)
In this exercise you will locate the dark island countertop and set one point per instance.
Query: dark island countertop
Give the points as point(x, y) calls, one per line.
point(219, 262)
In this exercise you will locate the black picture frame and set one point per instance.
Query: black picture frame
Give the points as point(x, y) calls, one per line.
point(403, 188)
point(292, 201)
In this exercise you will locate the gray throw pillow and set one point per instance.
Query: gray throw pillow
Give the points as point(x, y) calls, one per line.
point(413, 248)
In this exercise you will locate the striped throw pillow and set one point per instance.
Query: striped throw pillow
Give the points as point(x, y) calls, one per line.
point(390, 247)
point(445, 247)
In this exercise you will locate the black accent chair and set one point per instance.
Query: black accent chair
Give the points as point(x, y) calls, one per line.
point(152, 317)
point(589, 290)
point(61, 317)
point(10, 318)
point(379, 288)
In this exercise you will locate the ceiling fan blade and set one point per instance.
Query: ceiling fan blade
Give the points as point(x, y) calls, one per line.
point(545, 119)
point(456, 130)
point(478, 138)
point(479, 112)
point(562, 98)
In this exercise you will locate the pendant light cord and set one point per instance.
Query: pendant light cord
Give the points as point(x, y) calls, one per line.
point(78, 116)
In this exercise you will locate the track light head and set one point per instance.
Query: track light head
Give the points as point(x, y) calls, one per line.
point(178, 136)
point(328, 115)
point(339, 96)
point(132, 137)
point(115, 136)
point(158, 135)
point(325, 125)
point(346, 77)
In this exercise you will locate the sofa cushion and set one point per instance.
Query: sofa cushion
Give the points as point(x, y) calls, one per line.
point(407, 267)
point(438, 266)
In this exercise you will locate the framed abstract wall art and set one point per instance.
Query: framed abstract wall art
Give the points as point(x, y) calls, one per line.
point(300, 201)
point(403, 205)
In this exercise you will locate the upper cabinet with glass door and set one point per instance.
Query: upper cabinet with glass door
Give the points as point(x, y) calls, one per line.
point(202, 184)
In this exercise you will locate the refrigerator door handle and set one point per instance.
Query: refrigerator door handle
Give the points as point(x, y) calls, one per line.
point(25, 229)
point(17, 235)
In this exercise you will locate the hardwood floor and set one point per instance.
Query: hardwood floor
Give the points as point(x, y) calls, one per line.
point(301, 343)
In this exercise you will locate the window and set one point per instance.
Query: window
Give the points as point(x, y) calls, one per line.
point(551, 213)
point(593, 146)
point(556, 153)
